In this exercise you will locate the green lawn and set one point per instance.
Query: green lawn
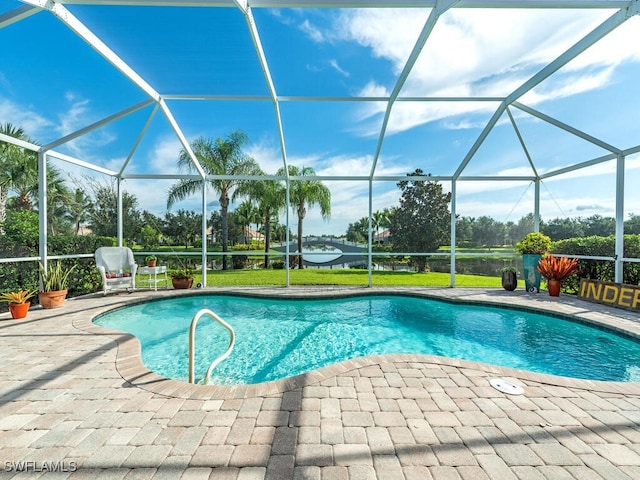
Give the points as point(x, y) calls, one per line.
point(347, 277)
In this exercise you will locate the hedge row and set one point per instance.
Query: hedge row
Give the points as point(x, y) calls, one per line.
point(603, 270)
point(24, 275)
point(85, 279)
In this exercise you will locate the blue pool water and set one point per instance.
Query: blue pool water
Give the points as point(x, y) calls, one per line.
point(280, 338)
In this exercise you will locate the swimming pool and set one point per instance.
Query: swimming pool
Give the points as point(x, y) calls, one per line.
point(280, 338)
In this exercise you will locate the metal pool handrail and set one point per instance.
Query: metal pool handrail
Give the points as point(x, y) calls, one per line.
point(192, 344)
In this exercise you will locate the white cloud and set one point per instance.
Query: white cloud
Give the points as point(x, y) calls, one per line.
point(311, 31)
point(474, 52)
point(77, 116)
point(569, 85)
point(334, 64)
point(268, 156)
point(164, 155)
point(583, 192)
point(617, 47)
point(23, 116)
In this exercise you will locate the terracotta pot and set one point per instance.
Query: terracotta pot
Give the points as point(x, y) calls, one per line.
point(53, 299)
point(182, 283)
point(151, 263)
point(19, 310)
point(554, 287)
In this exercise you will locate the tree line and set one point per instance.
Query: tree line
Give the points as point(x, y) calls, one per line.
point(94, 204)
point(420, 222)
point(485, 231)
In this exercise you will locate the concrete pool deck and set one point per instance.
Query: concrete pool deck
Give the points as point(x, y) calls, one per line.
point(75, 398)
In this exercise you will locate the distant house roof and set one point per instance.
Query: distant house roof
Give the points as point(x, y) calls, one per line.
point(253, 234)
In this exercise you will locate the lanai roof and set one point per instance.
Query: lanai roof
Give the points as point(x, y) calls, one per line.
point(492, 93)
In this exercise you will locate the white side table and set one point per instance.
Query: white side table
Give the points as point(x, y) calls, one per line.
point(153, 272)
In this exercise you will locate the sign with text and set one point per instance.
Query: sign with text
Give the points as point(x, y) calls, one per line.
point(608, 293)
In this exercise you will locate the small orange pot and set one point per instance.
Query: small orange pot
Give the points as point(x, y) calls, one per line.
point(19, 310)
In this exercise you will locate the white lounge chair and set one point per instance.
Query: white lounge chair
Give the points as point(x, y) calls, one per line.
point(117, 268)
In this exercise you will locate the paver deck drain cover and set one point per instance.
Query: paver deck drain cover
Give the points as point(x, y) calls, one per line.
point(506, 386)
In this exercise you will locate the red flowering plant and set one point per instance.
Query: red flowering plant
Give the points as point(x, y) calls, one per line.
point(557, 268)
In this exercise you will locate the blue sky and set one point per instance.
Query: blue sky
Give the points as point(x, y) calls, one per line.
point(52, 83)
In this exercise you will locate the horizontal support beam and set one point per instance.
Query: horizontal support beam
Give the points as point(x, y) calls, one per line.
point(18, 142)
point(361, 3)
point(342, 178)
point(318, 98)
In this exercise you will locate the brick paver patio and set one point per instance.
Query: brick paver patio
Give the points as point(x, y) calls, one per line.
point(74, 398)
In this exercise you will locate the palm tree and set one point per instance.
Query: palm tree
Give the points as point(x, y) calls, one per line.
point(219, 157)
point(307, 193)
point(11, 159)
point(380, 220)
point(19, 173)
point(246, 213)
point(79, 209)
point(271, 199)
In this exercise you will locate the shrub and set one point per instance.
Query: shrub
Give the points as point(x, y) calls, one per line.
point(24, 275)
point(239, 262)
point(603, 270)
point(534, 243)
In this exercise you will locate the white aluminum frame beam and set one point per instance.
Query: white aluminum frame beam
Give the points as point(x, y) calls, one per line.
point(21, 143)
point(580, 46)
point(625, 9)
point(362, 3)
point(81, 163)
point(255, 37)
point(578, 166)
point(42, 208)
point(619, 247)
point(139, 139)
point(522, 142)
point(17, 14)
point(441, 7)
point(96, 125)
point(568, 128)
point(52, 153)
point(480, 140)
point(183, 140)
point(257, 44)
point(82, 31)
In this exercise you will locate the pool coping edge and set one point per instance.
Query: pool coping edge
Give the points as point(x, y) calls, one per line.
point(130, 367)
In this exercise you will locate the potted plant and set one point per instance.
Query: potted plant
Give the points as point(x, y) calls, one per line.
point(151, 260)
point(18, 302)
point(555, 270)
point(54, 284)
point(182, 278)
point(509, 278)
point(532, 247)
